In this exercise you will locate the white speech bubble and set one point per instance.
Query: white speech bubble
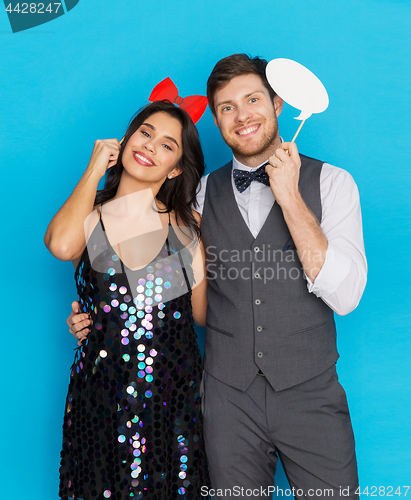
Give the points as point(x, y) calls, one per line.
point(297, 86)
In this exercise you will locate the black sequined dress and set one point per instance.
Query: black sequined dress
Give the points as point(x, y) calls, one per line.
point(133, 424)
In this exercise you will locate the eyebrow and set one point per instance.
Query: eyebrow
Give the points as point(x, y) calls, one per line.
point(165, 136)
point(247, 95)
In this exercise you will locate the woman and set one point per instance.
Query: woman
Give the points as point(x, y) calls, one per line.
point(132, 426)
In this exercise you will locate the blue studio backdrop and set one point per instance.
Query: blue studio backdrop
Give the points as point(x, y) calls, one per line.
point(80, 75)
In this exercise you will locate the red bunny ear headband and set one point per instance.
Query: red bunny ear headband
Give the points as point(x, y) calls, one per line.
point(195, 105)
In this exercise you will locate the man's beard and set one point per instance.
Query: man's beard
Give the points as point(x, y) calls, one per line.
point(255, 149)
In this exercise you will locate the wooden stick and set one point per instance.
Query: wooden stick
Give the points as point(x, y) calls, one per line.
point(298, 131)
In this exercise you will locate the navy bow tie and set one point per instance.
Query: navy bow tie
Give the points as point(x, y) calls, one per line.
point(243, 178)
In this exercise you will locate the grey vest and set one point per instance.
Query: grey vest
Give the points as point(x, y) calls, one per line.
point(260, 314)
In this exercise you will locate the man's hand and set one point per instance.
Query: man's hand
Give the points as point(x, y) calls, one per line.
point(284, 173)
point(78, 323)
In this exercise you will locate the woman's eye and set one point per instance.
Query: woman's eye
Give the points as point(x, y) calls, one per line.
point(145, 133)
point(167, 147)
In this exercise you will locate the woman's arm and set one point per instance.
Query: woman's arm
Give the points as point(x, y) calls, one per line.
point(199, 295)
point(65, 236)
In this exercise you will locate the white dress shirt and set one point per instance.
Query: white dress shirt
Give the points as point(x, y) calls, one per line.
point(341, 280)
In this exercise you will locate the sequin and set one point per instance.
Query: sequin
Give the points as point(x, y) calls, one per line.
point(140, 369)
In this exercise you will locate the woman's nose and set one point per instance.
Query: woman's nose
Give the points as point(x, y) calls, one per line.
point(149, 145)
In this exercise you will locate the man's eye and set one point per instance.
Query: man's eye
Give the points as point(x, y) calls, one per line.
point(227, 108)
point(254, 99)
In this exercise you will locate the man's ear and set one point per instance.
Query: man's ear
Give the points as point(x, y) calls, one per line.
point(278, 105)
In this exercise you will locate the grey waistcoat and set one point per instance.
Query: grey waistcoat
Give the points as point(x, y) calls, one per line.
point(260, 315)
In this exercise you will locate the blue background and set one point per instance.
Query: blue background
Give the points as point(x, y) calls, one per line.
point(82, 76)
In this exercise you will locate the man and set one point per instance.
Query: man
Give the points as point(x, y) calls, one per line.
point(284, 251)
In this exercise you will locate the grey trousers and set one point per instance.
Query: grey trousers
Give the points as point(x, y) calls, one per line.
point(308, 426)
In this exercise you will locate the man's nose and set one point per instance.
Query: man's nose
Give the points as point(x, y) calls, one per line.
point(243, 113)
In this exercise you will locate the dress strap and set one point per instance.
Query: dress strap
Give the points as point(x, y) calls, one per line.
point(169, 220)
point(99, 210)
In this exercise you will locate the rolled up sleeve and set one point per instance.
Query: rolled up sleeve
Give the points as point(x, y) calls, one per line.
point(342, 278)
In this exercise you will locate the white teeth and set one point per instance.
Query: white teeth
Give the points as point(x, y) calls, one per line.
point(248, 130)
point(144, 159)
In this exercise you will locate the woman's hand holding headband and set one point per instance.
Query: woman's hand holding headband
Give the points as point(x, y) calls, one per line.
point(104, 156)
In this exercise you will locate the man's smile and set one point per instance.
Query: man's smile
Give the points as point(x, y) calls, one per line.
point(248, 130)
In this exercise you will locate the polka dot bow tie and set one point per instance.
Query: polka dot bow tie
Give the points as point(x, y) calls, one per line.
point(243, 178)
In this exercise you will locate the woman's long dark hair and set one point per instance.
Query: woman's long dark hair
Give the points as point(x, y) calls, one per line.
point(179, 193)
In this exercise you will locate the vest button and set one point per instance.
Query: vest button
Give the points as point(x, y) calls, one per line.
point(257, 276)
point(259, 328)
point(256, 249)
point(260, 354)
point(257, 302)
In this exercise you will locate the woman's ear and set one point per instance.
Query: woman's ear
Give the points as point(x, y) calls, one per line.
point(175, 172)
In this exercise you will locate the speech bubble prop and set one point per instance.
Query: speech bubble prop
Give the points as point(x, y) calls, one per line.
point(297, 86)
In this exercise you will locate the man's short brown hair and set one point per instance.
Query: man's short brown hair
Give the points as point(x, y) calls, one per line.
point(236, 65)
